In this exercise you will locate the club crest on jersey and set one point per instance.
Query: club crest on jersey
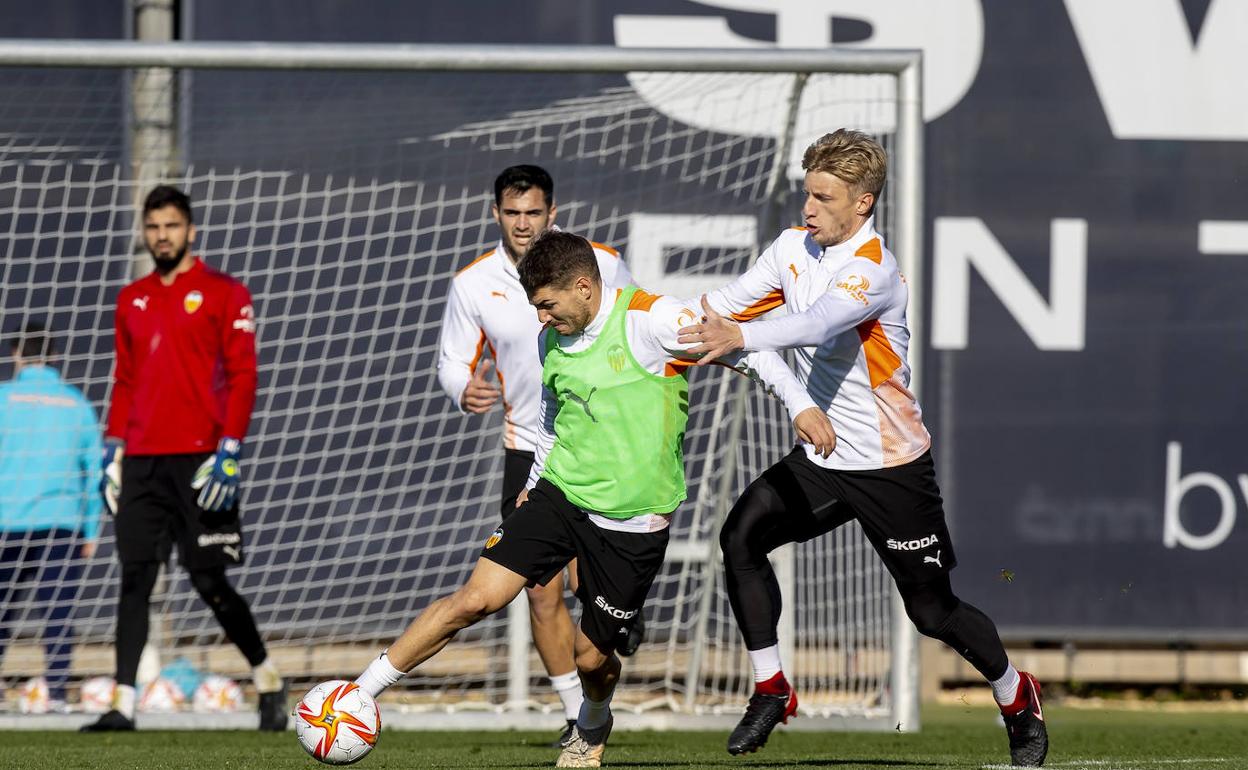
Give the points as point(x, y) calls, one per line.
point(494, 538)
point(617, 358)
point(193, 301)
point(855, 286)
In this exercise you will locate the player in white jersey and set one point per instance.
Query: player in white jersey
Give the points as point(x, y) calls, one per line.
point(847, 325)
point(487, 309)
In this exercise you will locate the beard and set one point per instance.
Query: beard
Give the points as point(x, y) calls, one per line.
point(165, 264)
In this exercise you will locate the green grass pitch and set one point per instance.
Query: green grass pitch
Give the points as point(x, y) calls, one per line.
point(953, 737)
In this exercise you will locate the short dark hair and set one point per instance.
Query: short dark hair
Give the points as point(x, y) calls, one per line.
point(167, 195)
point(521, 179)
point(556, 258)
point(33, 342)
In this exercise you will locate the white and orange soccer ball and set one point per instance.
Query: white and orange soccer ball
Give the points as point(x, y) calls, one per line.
point(337, 722)
point(161, 696)
point(33, 696)
point(97, 694)
point(218, 695)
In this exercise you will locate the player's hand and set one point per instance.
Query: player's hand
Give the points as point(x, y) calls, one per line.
point(716, 336)
point(110, 478)
point(218, 478)
point(89, 548)
point(814, 427)
point(523, 497)
point(480, 394)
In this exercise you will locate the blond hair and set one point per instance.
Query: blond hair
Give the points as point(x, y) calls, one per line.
point(851, 156)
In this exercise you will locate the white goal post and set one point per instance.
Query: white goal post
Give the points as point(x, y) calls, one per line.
point(346, 184)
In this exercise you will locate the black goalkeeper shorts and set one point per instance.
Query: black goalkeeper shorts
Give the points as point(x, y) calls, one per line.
point(158, 508)
point(615, 568)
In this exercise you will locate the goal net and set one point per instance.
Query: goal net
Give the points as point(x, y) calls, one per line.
point(346, 201)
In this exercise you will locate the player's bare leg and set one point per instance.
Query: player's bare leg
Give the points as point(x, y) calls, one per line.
point(554, 636)
point(490, 588)
point(600, 671)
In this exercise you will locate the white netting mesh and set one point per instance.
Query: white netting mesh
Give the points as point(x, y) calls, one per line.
point(345, 203)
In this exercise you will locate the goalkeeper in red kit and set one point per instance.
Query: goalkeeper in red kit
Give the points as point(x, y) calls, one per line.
point(184, 384)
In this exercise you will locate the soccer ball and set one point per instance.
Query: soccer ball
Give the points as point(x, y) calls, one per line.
point(162, 696)
point(218, 694)
point(97, 695)
point(337, 722)
point(33, 697)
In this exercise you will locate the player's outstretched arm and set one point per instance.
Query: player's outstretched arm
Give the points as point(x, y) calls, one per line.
point(860, 292)
point(714, 338)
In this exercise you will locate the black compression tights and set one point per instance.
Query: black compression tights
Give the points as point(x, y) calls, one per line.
point(937, 613)
point(230, 609)
point(762, 520)
point(754, 528)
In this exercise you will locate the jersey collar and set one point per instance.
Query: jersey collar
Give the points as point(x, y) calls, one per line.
point(843, 251)
point(509, 265)
point(197, 266)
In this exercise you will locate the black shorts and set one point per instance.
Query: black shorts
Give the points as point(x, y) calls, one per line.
point(516, 466)
point(158, 507)
point(899, 509)
point(615, 568)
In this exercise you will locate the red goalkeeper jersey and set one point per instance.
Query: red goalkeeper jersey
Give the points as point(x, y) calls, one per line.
point(186, 363)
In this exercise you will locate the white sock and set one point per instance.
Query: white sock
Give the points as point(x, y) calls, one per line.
point(594, 713)
point(568, 688)
point(266, 677)
point(378, 676)
point(124, 698)
point(1005, 689)
point(766, 662)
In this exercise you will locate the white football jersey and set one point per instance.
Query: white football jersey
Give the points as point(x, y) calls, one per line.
point(487, 308)
point(851, 339)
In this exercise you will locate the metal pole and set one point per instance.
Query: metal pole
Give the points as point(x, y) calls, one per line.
point(518, 636)
point(458, 58)
point(909, 249)
point(153, 127)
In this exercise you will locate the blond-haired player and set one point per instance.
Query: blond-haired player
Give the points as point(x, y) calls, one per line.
point(847, 324)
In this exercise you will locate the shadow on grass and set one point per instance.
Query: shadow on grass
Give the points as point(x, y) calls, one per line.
point(739, 763)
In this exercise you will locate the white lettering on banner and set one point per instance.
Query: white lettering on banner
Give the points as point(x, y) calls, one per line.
point(950, 34)
point(650, 235)
point(1215, 237)
point(1059, 515)
point(963, 242)
point(1177, 485)
point(1153, 81)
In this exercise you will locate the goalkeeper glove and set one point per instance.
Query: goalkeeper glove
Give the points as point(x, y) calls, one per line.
point(110, 479)
point(217, 479)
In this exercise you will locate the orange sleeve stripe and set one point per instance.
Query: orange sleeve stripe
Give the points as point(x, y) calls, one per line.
point(675, 368)
point(770, 302)
point(803, 229)
point(465, 268)
point(605, 248)
point(871, 250)
point(882, 360)
point(476, 356)
point(642, 300)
